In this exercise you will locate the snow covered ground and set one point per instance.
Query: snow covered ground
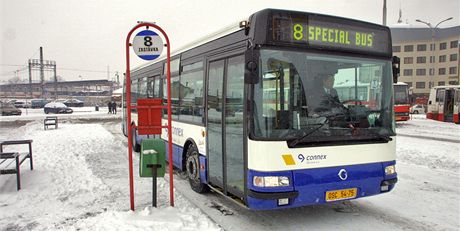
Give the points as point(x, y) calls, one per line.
point(80, 182)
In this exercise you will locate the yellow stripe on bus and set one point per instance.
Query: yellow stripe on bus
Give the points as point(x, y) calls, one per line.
point(288, 160)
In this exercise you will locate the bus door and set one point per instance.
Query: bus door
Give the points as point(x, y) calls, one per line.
point(449, 105)
point(225, 124)
point(440, 95)
point(456, 112)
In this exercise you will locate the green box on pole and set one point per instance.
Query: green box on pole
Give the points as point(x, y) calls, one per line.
point(152, 153)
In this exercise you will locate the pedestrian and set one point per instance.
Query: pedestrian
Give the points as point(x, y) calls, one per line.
point(109, 105)
point(114, 107)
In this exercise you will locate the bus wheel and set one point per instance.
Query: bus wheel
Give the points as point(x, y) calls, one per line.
point(193, 170)
point(136, 146)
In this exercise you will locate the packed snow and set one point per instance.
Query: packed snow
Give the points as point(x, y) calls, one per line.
point(80, 182)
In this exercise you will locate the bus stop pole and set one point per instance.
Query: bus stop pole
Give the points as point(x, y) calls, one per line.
point(171, 178)
point(168, 73)
point(128, 121)
point(128, 108)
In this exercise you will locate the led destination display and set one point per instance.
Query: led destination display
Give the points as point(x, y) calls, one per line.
point(319, 31)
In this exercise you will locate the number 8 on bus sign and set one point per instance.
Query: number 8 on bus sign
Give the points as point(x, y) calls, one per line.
point(148, 45)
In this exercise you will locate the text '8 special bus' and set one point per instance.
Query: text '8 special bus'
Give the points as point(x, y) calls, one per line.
point(252, 120)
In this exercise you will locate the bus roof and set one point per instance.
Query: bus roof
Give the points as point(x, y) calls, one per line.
point(274, 27)
point(447, 86)
point(401, 83)
point(233, 27)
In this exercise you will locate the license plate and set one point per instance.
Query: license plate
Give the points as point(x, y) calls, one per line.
point(341, 194)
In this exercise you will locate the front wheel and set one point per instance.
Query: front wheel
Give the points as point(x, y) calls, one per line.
point(193, 170)
point(136, 146)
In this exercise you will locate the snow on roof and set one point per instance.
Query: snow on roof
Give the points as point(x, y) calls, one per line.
point(55, 104)
point(118, 91)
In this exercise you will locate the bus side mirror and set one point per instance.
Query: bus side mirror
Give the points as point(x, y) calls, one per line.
point(251, 68)
point(395, 66)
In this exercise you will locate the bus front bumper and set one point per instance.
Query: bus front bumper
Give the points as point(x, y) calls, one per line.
point(319, 186)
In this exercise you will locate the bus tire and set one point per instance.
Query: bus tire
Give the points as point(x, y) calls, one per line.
point(192, 165)
point(136, 146)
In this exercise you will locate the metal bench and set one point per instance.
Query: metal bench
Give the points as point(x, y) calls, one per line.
point(50, 121)
point(8, 158)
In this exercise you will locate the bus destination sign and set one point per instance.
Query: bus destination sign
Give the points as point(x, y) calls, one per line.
point(319, 31)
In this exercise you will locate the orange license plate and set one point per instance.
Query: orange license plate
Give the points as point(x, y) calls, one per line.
point(341, 194)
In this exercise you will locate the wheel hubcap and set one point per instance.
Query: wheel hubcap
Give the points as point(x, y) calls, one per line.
point(192, 168)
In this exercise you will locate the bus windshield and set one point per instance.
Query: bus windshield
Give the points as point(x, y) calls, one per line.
point(309, 98)
point(401, 94)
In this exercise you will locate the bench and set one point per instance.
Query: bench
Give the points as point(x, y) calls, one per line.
point(50, 121)
point(8, 158)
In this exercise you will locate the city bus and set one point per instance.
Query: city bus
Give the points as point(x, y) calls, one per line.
point(444, 103)
point(248, 121)
point(401, 98)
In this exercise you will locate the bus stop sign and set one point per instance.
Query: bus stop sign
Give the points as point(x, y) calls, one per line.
point(148, 45)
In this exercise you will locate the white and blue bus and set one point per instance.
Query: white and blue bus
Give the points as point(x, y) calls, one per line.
point(246, 118)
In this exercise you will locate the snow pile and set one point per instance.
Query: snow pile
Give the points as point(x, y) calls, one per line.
point(168, 218)
point(80, 182)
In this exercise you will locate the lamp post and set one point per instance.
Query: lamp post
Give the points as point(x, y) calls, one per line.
point(432, 45)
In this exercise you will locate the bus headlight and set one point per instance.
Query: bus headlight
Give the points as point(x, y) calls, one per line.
point(270, 181)
point(390, 170)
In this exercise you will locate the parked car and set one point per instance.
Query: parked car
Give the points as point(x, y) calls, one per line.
point(38, 103)
point(55, 107)
point(74, 103)
point(417, 109)
point(9, 109)
point(21, 104)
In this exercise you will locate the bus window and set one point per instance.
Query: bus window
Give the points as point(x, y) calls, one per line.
point(191, 94)
point(142, 88)
point(156, 87)
point(401, 94)
point(134, 93)
point(278, 100)
point(440, 95)
point(150, 85)
point(175, 91)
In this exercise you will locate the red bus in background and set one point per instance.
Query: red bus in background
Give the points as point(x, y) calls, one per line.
point(402, 104)
point(444, 104)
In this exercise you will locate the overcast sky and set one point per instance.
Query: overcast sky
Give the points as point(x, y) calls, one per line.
point(87, 37)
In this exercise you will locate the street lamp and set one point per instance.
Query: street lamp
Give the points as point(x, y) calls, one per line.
point(432, 46)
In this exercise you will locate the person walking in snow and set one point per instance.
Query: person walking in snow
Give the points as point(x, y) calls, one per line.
point(109, 105)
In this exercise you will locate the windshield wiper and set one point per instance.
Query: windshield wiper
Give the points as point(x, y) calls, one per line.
point(329, 118)
point(294, 142)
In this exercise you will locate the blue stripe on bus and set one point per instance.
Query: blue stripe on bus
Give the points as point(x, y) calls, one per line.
point(178, 158)
point(312, 184)
point(176, 154)
point(203, 178)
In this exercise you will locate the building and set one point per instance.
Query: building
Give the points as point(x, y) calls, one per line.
point(60, 90)
point(420, 63)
